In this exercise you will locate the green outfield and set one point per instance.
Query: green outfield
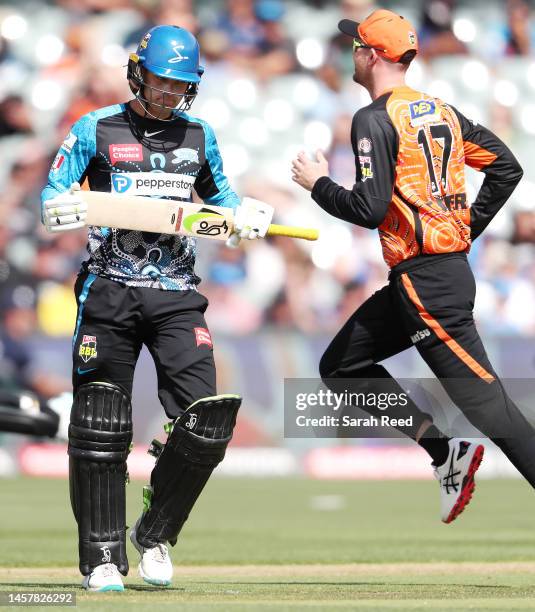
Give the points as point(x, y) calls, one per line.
point(294, 544)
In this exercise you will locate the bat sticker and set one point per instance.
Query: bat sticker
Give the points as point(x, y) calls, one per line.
point(206, 224)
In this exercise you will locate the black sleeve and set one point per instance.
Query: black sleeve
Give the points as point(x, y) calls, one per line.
point(484, 151)
point(375, 145)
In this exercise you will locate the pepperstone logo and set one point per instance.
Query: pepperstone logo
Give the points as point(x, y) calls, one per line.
point(153, 184)
point(120, 183)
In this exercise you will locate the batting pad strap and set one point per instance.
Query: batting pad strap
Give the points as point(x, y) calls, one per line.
point(195, 446)
point(106, 446)
point(211, 418)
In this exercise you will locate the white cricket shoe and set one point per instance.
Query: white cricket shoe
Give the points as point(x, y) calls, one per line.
point(456, 477)
point(155, 566)
point(105, 577)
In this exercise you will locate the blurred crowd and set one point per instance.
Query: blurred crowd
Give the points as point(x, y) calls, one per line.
point(277, 80)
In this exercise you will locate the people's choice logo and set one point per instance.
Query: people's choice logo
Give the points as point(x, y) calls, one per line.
point(125, 152)
point(179, 57)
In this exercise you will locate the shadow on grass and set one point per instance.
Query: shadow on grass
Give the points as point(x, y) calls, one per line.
point(357, 584)
point(76, 586)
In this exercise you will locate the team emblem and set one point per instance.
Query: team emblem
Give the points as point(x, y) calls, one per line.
point(365, 145)
point(179, 57)
point(366, 171)
point(88, 348)
point(185, 155)
point(143, 44)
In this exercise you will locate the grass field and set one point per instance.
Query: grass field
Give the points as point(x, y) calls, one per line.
point(295, 544)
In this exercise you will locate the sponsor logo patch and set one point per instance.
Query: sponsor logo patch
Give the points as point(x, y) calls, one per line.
point(58, 162)
point(420, 335)
point(365, 145)
point(69, 142)
point(152, 184)
point(120, 183)
point(366, 171)
point(88, 348)
point(125, 152)
point(149, 134)
point(143, 44)
point(412, 38)
point(202, 336)
point(423, 111)
point(182, 155)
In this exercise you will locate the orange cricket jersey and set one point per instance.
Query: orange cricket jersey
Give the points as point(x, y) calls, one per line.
point(410, 152)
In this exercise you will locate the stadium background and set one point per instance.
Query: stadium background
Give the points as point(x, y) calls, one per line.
point(278, 79)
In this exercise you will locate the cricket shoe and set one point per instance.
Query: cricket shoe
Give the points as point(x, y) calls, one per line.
point(155, 566)
point(456, 477)
point(105, 577)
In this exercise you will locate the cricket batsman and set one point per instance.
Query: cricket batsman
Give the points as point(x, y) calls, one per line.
point(140, 288)
point(411, 150)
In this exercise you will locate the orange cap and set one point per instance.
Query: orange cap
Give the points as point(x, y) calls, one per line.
point(389, 34)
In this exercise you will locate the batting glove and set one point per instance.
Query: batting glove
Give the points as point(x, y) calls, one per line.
point(65, 212)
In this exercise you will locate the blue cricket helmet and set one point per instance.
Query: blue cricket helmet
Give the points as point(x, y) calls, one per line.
point(170, 52)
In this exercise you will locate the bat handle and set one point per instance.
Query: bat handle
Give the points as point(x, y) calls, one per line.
point(304, 233)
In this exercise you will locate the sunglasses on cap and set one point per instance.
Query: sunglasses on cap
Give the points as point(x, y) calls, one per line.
point(358, 44)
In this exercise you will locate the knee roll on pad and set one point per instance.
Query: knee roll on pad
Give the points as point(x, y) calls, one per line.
point(100, 434)
point(195, 446)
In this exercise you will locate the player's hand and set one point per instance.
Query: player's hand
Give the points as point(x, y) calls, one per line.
point(306, 172)
point(65, 212)
point(251, 220)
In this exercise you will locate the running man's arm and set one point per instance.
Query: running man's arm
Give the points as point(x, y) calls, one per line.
point(375, 145)
point(484, 151)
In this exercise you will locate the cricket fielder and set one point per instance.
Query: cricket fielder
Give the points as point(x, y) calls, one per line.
point(410, 152)
point(140, 288)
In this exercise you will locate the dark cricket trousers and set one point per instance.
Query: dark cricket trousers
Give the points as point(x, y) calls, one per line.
point(115, 320)
point(429, 302)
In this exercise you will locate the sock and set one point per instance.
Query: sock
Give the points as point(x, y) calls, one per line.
point(436, 444)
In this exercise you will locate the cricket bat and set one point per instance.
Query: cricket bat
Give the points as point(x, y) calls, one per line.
point(171, 217)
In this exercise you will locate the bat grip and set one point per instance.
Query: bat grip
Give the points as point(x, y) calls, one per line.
point(293, 232)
